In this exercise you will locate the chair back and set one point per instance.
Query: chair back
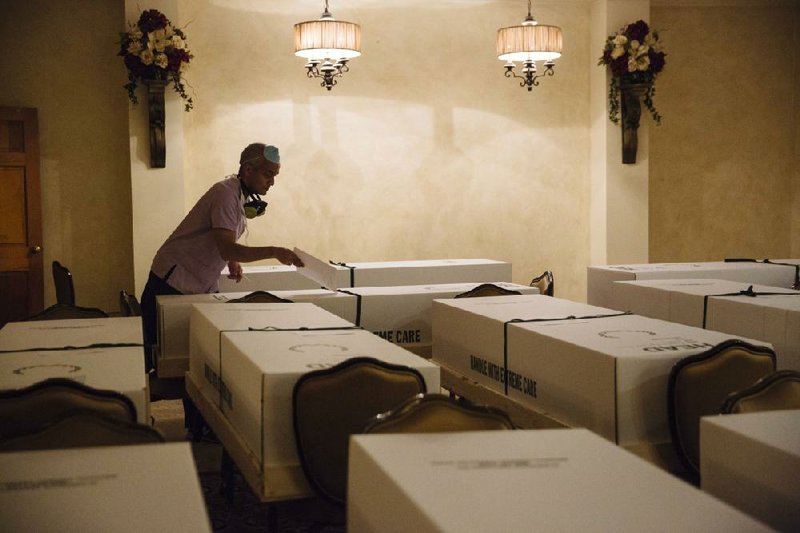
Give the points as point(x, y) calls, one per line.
point(128, 304)
point(437, 413)
point(699, 384)
point(83, 428)
point(331, 404)
point(260, 297)
point(66, 311)
point(487, 289)
point(62, 278)
point(544, 283)
point(28, 409)
point(776, 391)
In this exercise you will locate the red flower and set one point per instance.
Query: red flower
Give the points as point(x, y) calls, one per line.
point(152, 19)
point(637, 30)
point(656, 60)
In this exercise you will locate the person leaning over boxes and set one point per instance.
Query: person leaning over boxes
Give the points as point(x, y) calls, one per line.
point(191, 259)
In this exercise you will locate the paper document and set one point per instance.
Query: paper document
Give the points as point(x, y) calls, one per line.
point(320, 271)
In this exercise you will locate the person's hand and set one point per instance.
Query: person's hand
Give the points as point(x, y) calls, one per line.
point(287, 257)
point(234, 271)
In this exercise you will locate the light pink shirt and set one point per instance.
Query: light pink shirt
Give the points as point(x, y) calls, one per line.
point(191, 248)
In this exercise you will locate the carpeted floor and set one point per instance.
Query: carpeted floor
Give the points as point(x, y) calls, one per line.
point(245, 513)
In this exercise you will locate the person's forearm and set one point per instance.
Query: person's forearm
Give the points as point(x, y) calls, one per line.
point(248, 254)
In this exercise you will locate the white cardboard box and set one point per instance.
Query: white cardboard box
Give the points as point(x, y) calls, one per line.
point(149, 487)
point(752, 462)
point(174, 312)
point(608, 374)
point(536, 480)
point(209, 321)
point(266, 278)
point(116, 369)
point(402, 314)
point(261, 369)
point(367, 274)
point(73, 332)
point(698, 302)
point(399, 314)
point(471, 330)
point(418, 272)
point(678, 300)
point(775, 319)
point(600, 278)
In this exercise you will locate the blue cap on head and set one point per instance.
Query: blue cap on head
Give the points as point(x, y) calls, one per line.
point(256, 151)
point(271, 154)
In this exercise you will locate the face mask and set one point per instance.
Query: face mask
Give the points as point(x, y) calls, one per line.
point(255, 206)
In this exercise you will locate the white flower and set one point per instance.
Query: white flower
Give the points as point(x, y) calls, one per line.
point(653, 42)
point(157, 40)
point(634, 46)
point(177, 42)
point(134, 47)
point(146, 56)
point(161, 60)
point(620, 40)
point(643, 62)
point(642, 50)
point(633, 65)
point(617, 51)
point(135, 33)
point(168, 31)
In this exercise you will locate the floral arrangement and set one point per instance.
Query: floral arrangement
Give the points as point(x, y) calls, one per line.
point(635, 56)
point(155, 50)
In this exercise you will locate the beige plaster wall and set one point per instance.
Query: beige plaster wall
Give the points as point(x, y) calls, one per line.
point(795, 237)
point(59, 58)
point(723, 166)
point(423, 150)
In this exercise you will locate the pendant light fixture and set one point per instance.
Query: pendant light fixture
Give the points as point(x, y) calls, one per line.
point(328, 44)
point(529, 42)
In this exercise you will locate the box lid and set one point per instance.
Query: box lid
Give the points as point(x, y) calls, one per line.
point(526, 306)
point(72, 332)
point(544, 480)
point(120, 369)
point(632, 336)
point(261, 316)
point(148, 487)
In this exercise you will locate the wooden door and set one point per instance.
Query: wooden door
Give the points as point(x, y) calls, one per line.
point(21, 281)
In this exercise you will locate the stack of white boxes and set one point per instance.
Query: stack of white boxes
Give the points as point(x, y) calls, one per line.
point(539, 480)
point(770, 314)
point(600, 278)
point(246, 358)
point(81, 350)
point(148, 487)
point(582, 365)
point(399, 314)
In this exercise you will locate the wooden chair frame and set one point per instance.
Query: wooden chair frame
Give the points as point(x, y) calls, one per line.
point(16, 404)
point(545, 283)
point(487, 289)
point(65, 289)
point(61, 311)
point(714, 354)
point(435, 413)
point(358, 374)
point(260, 297)
point(80, 428)
point(764, 387)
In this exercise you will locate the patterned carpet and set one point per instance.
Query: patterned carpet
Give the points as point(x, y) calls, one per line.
point(245, 513)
